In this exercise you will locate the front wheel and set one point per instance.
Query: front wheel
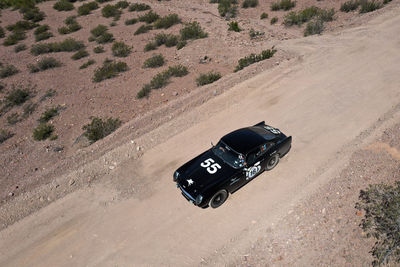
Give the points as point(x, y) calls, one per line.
point(272, 162)
point(218, 199)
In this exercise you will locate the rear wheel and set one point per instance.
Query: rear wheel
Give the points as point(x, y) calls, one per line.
point(272, 162)
point(218, 199)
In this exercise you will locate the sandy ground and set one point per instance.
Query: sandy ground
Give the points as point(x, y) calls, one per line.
point(335, 98)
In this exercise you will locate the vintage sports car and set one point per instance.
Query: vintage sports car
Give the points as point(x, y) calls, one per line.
point(238, 157)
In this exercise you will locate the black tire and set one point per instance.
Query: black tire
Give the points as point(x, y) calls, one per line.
point(218, 199)
point(272, 162)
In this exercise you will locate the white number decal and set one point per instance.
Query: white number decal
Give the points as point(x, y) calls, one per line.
point(210, 165)
point(272, 129)
point(252, 171)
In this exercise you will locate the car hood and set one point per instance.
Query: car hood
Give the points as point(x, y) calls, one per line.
point(194, 178)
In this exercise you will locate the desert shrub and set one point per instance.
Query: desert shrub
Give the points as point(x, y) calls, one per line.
point(249, 3)
point(105, 38)
point(122, 4)
point(72, 26)
point(264, 15)
point(20, 48)
point(113, 23)
point(253, 58)
point(14, 38)
point(181, 44)
point(99, 30)
point(99, 128)
point(149, 17)
point(41, 29)
point(17, 96)
point(2, 33)
point(5, 135)
point(42, 131)
point(386, 1)
point(227, 8)
point(87, 8)
point(13, 118)
point(150, 46)
point(349, 5)
point(177, 71)
point(168, 39)
point(283, 5)
point(2, 86)
point(22, 25)
point(8, 70)
point(207, 78)
point(254, 34)
point(192, 30)
point(43, 36)
point(154, 62)
point(87, 64)
point(49, 93)
point(144, 92)
point(139, 7)
point(369, 6)
point(68, 45)
point(98, 49)
point(111, 11)
point(120, 49)
point(103, 1)
point(167, 21)
point(274, 20)
point(314, 27)
point(48, 114)
point(143, 29)
point(109, 70)
point(381, 221)
point(131, 21)
point(63, 5)
point(80, 54)
point(160, 80)
point(305, 15)
point(234, 26)
point(29, 108)
point(34, 14)
point(44, 64)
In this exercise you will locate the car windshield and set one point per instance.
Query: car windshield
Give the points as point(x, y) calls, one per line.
point(228, 155)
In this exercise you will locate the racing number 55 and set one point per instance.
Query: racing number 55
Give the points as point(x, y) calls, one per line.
point(211, 166)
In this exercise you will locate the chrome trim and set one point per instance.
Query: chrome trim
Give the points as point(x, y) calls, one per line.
point(187, 194)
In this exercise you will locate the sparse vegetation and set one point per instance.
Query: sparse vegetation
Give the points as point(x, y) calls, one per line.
point(98, 49)
point(17, 96)
point(5, 135)
point(314, 27)
point(44, 64)
point(274, 20)
point(207, 78)
point(63, 5)
point(87, 64)
point(22, 25)
point(80, 54)
point(72, 26)
point(131, 21)
point(305, 15)
point(48, 114)
point(43, 131)
point(42, 33)
point(14, 38)
point(99, 30)
point(249, 3)
point(381, 221)
point(168, 39)
point(87, 8)
point(13, 118)
point(2, 33)
point(122, 4)
point(8, 70)
point(20, 48)
point(29, 108)
point(139, 7)
point(254, 34)
point(167, 21)
point(264, 15)
point(154, 62)
point(68, 45)
point(105, 38)
point(150, 46)
point(143, 29)
point(109, 70)
point(33, 14)
point(369, 6)
point(234, 26)
point(283, 5)
point(227, 8)
point(162, 79)
point(149, 17)
point(349, 6)
point(49, 93)
point(253, 58)
point(99, 128)
point(111, 11)
point(192, 30)
point(120, 49)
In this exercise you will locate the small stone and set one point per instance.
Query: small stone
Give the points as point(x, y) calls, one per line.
point(11, 194)
point(111, 167)
point(175, 93)
point(71, 182)
point(48, 199)
point(138, 148)
point(41, 199)
point(323, 211)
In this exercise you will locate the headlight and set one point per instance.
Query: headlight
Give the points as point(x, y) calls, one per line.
point(199, 199)
point(176, 175)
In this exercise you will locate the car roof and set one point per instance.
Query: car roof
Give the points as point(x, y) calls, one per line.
point(246, 139)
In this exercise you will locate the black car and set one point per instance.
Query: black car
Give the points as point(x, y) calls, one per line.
point(238, 157)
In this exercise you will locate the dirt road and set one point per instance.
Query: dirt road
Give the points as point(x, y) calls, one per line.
point(338, 87)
